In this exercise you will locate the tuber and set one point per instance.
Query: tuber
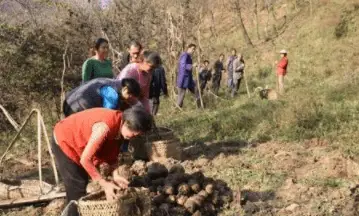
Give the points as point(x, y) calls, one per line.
point(168, 189)
point(158, 199)
point(209, 188)
point(181, 200)
point(157, 170)
point(158, 182)
point(190, 205)
point(203, 193)
point(183, 189)
point(198, 176)
point(171, 199)
point(122, 171)
point(165, 207)
point(197, 213)
point(177, 168)
point(195, 187)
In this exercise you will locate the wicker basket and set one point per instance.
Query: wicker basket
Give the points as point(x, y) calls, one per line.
point(14, 189)
point(163, 145)
point(135, 203)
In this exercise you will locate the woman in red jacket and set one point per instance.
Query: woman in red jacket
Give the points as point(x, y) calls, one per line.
point(282, 70)
point(87, 139)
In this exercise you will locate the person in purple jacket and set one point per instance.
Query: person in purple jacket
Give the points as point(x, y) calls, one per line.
point(185, 77)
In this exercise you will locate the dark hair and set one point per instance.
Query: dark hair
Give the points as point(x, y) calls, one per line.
point(137, 119)
point(191, 45)
point(206, 61)
point(221, 55)
point(152, 58)
point(132, 86)
point(135, 44)
point(96, 45)
point(233, 49)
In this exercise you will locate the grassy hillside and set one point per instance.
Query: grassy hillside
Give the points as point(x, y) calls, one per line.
point(317, 119)
point(294, 156)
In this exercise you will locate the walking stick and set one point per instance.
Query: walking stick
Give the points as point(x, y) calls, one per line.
point(245, 81)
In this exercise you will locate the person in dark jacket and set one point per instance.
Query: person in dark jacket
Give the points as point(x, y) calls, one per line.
point(204, 75)
point(102, 92)
point(132, 55)
point(185, 77)
point(158, 85)
point(217, 76)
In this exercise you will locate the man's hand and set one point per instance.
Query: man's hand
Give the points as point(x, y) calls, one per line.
point(109, 188)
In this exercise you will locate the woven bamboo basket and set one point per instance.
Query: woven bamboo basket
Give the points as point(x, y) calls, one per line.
point(163, 145)
point(22, 188)
point(135, 203)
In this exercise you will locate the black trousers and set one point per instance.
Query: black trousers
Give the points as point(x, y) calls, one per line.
point(75, 177)
point(236, 85)
point(155, 103)
point(216, 83)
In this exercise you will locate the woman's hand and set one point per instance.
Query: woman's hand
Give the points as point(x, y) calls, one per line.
point(109, 188)
point(120, 181)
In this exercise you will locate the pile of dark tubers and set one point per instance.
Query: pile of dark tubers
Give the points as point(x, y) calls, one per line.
point(175, 192)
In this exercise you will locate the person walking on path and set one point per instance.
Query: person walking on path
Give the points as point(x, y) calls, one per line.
point(158, 85)
point(102, 92)
point(217, 75)
point(205, 75)
point(131, 55)
point(238, 72)
point(85, 140)
point(282, 71)
point(185, 76)
point(97, 65)
point(229, 65)
point(142, 73)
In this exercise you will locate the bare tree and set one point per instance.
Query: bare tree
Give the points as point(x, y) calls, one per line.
point(238, 9)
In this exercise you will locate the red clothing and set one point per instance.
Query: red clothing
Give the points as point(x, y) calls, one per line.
point(282, 66)
point(72, 135)
point(143, 78)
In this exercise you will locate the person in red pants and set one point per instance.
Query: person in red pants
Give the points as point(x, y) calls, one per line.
point(282, 70)
point(84, 140)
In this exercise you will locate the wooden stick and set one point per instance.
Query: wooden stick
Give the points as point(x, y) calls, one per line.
point(62, 97)
point(30, 200)
point(39, 149)
point(245, 82)
point(199, 56)
point(11, 120)
point(17, 135)
point(56, 175)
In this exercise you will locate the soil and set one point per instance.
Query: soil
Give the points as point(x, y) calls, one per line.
point(313, 178)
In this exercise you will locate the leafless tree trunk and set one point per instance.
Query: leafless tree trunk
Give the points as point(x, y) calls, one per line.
point(199, 55)
point(257, 21)
point(243, 28)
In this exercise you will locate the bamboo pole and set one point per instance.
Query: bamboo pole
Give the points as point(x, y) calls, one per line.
point(11, 120)
point(30, 200)
point(39, 149)
point(16, 136)
point(199, 56)
point(52, 157)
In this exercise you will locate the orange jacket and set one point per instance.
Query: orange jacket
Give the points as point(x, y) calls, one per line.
point(282, 66)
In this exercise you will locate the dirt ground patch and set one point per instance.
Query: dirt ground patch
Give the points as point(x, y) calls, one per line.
point(268, 179)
